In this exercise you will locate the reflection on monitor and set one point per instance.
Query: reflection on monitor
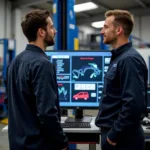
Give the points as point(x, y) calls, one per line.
point(80, 76)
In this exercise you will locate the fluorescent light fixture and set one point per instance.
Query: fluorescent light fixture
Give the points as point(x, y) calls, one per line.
point(85, 6)
point(98, 24)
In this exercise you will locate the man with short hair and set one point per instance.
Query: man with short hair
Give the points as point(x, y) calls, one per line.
point(32, 94)
point(123, 102)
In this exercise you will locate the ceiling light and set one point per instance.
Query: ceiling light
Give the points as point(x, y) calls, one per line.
point(85, 6)
point(98, 24)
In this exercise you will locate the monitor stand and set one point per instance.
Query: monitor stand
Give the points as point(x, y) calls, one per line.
point(79, 117)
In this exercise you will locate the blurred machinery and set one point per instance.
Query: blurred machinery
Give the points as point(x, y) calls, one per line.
point(7, 53)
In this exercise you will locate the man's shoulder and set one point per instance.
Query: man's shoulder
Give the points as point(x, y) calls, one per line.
point(17, 58)
point(41, 62)
point(131, 54)
point(31, 57)
point(132, 58)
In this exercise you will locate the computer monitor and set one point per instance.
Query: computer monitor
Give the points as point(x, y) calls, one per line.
point(80, 76)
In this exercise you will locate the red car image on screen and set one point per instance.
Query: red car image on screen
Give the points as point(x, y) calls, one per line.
point(81, 95)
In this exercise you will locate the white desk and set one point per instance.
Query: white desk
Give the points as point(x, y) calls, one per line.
point(93, 129)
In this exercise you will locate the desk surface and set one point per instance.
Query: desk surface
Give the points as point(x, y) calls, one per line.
point(146, 131)
point(93, 129)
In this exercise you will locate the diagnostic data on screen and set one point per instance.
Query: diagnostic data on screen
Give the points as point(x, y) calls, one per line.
point(80, 76)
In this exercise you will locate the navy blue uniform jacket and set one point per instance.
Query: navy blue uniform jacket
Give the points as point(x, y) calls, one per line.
point(33, 106)
point(123, 103)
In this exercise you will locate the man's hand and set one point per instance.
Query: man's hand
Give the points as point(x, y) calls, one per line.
point(110, 142)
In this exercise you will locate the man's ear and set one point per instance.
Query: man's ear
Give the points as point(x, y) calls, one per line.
point(119, 30)
point(41, 32)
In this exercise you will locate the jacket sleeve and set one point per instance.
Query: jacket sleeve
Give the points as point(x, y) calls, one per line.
point(43, 82)
point(133, 98)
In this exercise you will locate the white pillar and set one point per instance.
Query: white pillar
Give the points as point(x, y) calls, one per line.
point(9, 20)
point(17, 31)
point(2, 19)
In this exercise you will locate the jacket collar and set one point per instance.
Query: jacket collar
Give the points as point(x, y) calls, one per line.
point(34, 48)
point(121, 49)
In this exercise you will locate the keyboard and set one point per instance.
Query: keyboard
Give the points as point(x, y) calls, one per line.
point(76, 125)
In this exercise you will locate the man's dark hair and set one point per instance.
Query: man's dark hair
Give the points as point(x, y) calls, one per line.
point(123, 18)
point(33, 21)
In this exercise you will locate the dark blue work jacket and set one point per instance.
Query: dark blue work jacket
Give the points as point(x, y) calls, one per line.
point(123, 102)
point(33, 106)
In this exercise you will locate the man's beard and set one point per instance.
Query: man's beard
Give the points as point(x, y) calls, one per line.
point(110, 41)
point(49, 40)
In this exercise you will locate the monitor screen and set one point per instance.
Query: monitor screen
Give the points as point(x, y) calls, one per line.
point(80, 76)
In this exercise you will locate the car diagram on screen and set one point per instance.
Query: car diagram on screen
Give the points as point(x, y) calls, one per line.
point(81, 95)
point(81, 72)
